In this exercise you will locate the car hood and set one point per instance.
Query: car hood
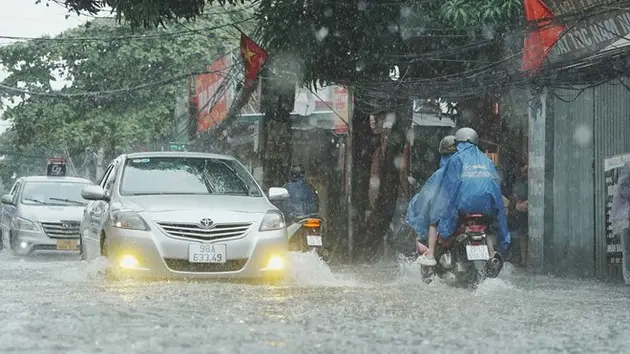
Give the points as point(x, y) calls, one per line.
point(51, 213)
point(198, 206)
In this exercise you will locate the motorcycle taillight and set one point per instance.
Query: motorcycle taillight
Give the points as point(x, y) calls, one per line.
point(475, 228)
point(312, 223)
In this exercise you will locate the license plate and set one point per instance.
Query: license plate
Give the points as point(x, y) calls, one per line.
point(477, 253)
point(314, 240)
point(203, 253)
point(67, 245)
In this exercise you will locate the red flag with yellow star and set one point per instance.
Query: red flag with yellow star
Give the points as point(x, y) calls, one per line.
point(254, 57)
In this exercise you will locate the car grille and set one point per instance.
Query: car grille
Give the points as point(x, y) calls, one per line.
point(182, 265)
point(194, 231)
point(62, 229)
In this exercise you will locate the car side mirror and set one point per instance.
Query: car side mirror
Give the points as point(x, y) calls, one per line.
point(94, 193)
point(7, 199)
point(278, 193)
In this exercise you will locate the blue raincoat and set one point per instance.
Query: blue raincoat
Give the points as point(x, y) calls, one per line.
point(418, 211)
point(469, 184)
point(302, 198)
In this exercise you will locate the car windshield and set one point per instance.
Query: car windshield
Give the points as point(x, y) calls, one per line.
point(182, 175)
point(53, 193)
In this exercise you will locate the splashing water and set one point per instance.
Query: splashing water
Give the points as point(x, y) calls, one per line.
point(84, 270)
point(305, 268)
point(490, 286)
point(409, 272)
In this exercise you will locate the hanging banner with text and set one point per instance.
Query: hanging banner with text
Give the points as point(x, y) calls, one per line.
point(591, 27)
point(211, 90)
point(612, 169)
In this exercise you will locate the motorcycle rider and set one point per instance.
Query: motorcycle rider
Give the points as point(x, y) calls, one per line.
point(469, 184)
point(303, 198)
point(418, 212)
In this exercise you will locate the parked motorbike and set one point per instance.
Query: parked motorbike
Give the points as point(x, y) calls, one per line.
point(305, 235)
point(466, 254)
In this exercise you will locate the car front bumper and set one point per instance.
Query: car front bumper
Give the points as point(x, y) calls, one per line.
point(155, 254)
point(26, 242)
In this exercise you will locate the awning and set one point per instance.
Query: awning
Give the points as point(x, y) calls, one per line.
point(317, 120)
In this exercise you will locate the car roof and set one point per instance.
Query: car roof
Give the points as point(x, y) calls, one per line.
point(55, 179)
point(139, 155)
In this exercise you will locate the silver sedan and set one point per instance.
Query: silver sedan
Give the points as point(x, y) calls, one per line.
point(184, 215)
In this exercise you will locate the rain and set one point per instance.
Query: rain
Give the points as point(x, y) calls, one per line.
point(271, 176)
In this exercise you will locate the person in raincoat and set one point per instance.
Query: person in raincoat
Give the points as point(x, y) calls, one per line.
point(620, 218)
point(469, 184)
point(418, 211)
point(303, 198)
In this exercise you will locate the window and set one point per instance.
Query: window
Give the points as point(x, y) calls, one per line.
point(183, 175)
point(15, 191)
point(109, 169)
point(111, 178)
point(53, 193)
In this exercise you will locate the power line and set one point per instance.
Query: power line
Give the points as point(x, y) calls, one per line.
point(126, 37)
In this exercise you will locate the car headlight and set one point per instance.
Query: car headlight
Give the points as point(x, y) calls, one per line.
point(273, 220)
point(128, 220)
point(23, 224)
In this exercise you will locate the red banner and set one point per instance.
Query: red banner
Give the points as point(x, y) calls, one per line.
point(211, 91)
point(541, 37)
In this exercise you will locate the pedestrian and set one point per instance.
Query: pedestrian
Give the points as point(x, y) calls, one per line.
point(519, 212)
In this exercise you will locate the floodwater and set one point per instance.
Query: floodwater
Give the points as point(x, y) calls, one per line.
point(58, 304)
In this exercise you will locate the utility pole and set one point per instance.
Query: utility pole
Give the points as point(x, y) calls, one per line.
point(348, 151)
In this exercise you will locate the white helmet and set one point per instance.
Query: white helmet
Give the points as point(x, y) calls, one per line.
point(467, 135)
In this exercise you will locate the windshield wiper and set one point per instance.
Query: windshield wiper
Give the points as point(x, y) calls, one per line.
point(249, 191)
point(36, 201)
point(69, 201)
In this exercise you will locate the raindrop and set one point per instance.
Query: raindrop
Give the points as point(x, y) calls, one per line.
point(406, 34)
point(398, 162)
point(360, 66)
point(375, 182)
point(390, 118)
point(411, 136)
point(362, 5)
point(394, 73)
point(328, 12)
point(405, 11)
point(582, 135)
point(393, 27)
point(321, 34)
point(488, 32)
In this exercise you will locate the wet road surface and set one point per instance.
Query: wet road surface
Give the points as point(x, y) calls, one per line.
point(61, 305)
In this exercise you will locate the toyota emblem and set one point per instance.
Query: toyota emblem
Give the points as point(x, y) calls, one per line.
point(66, 225)
point(206, 223)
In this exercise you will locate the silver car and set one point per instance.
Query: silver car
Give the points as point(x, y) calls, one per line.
point(43, 213)
point(184, 215)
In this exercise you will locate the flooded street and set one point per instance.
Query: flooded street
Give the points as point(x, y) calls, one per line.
point(61, 305)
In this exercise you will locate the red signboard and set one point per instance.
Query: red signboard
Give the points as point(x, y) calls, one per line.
point(211, 91)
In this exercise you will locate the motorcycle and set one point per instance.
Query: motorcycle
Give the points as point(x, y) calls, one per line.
point(465, 255)
point(305, 235)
